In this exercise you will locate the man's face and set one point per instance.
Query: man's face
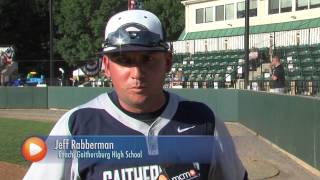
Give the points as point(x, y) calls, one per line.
point(274, 61)
point(138, 77)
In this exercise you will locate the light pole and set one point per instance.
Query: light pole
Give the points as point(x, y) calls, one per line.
point(51, 43)
point(246, 44)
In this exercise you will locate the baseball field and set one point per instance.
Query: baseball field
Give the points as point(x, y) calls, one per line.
point(12, 134)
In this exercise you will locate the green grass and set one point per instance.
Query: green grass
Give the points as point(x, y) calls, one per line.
point(12, 134)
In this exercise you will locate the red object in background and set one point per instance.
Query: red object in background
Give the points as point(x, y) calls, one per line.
point(132, 4)
point(6, 59)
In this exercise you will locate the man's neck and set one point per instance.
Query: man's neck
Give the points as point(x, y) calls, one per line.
point(145, 117)
point(151, 105)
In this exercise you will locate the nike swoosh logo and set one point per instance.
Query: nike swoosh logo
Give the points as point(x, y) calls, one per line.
point(184, 129)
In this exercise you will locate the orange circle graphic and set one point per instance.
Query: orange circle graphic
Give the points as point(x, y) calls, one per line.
point(34, 149)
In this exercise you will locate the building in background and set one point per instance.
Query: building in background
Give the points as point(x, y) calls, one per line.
point(212, 25)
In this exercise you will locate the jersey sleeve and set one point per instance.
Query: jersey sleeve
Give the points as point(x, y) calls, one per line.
point(226, 163)
point(48, 170)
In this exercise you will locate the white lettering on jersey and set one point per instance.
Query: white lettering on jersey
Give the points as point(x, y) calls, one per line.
point(133, 173)
point(107, 175)
point(137, 175)
point(116, 175)
point(154, 172)
point(145, 171)
point(129, 172)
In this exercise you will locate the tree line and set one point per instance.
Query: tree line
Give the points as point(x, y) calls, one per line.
point(78, 25)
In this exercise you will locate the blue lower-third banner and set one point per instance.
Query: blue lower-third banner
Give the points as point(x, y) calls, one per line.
point(132, 149)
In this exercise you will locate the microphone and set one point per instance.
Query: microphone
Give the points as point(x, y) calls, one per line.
point(180, 172)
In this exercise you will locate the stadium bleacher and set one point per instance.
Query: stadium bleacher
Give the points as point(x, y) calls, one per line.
point(219, 69)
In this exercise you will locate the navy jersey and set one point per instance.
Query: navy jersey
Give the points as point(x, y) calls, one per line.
point(101, 116)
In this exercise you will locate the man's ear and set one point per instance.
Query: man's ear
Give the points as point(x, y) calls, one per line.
point(168, 61)
point(106, 61)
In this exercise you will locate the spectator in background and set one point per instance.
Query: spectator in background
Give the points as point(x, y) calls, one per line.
point(180, 75)
point(72, 80)
point(278, 76)
point(178, 78)
point(253, 58)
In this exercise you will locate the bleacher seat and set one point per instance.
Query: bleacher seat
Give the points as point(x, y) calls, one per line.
point(308, 71)
point(316, 53)
point(299, 83)
point(292, 54)
point(216, 64)
point(284, 62)
point(317, 62)
point(306, 62)
point(210, 57)
point(295, 71)
point(208, 77)
point(204, 72)
point(295, 62)
point(233, 63)
point(304, 53)
point(217, 58)
point(223, 64)
point(318, 71)
point(212, 72)
point(259, 78)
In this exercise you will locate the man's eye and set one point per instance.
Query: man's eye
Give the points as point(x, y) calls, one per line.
point(147, 59)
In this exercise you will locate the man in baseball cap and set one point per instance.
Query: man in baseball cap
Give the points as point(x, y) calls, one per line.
point(136, 58)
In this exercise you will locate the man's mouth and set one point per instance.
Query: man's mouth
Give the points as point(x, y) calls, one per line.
point(138, 87)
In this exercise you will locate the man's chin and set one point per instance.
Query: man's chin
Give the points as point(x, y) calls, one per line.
point(139, 99)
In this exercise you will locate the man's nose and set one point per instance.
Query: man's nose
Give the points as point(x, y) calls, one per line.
point(137, 72)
